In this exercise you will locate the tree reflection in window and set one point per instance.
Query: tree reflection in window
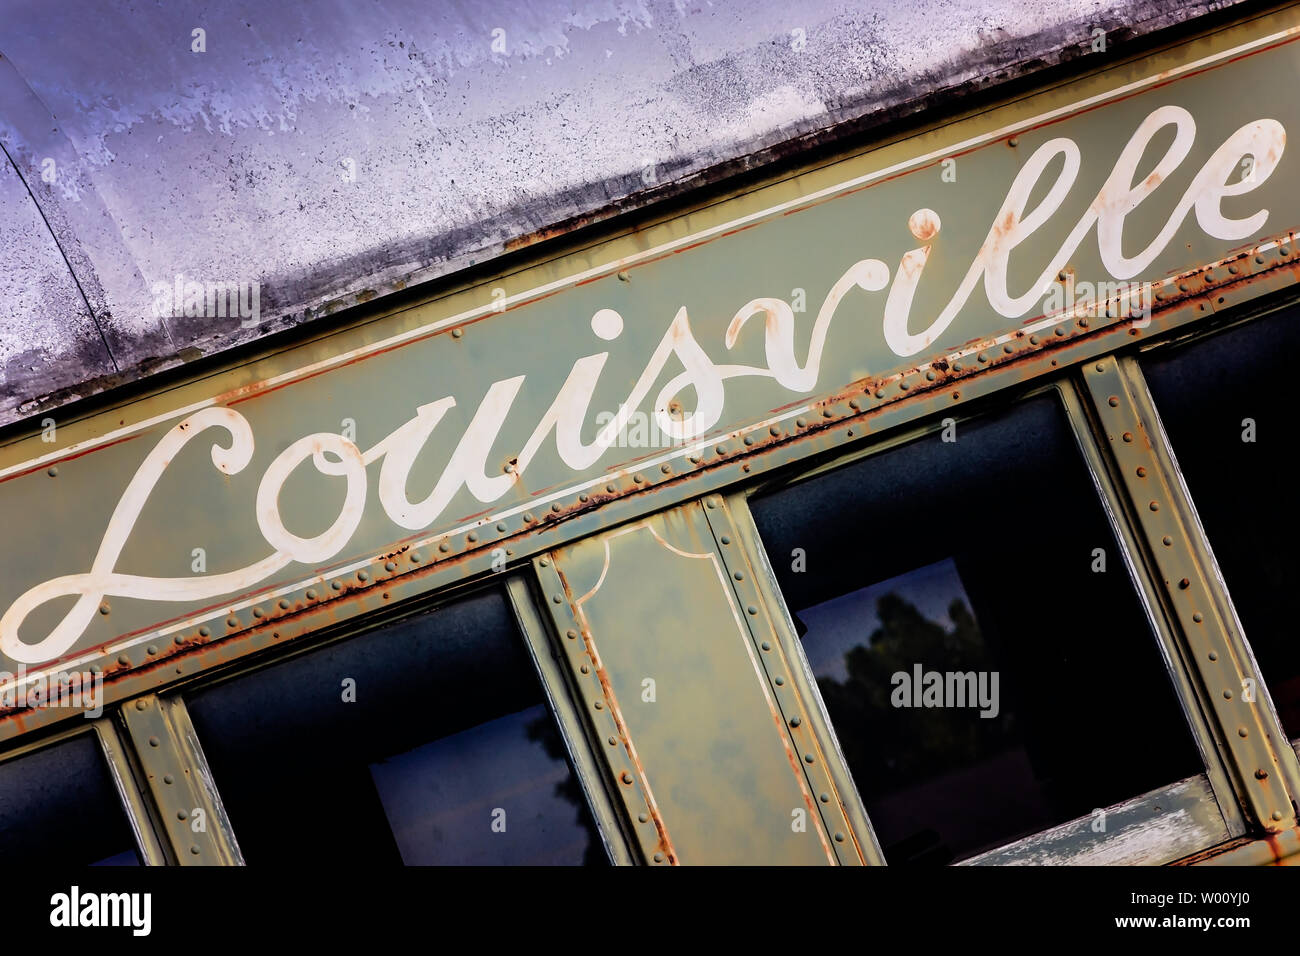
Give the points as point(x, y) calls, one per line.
point(976, 556)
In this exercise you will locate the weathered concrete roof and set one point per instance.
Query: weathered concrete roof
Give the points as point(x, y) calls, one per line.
point(344, 148)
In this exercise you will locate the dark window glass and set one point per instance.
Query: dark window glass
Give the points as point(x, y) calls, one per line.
point(59, 804)
point(1225, 402)
point(917, 576)
point(448, 753)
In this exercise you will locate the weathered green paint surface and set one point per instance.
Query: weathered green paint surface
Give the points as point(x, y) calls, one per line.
point(681, 672)
point(478, 416)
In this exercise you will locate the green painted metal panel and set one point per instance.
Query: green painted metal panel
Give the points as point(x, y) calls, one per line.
point(681, 673)
point(288, 483)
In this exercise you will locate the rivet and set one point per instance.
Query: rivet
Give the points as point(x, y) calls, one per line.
point(1214, 655)
point(151, 649)
point(544, 563)
point(903, 386)
point(720, 450)
point(1154, 506)
point(1277, 814)
point(622, 276)
point(457, 333)
point(981, 357)
point(599, 705)
point(659, 857)
point(1233, 269)
point(584, 497)
point(232, 621)
point(153, 741)
point(1014, 141)
point(104, 608)
point(571, 634)
point(179, 639)
point(336, 585)
point(182, 815)
point(444, 547)
point(613, 742)
point(1243, 732)
point(167, 778)
point(1141, 472)
point(710, 503)
point(854, 404)
point(1101, 366)
point(1227, 695)
point(204, 631)
point(1113, 401)
point(643, 817)
point(1182, 287)
point(363, 576)
point(824, 798)
point(416, 557)
point(1128, 436)
point(1259, 260)
point(609, 489)
point(258, 612)
point(52, 471)
point(1184, 584)
point(1059, 331)
point(839, 838)
point(779, 681)
point(775, 430)
point(752, 609)
point(638, 478)
point(472, 536)
point(725, 539)
point(1197, 617)
point(1007, 348)
point(627, 777)
point(1167, 541)
point(284, 602)
point(141, 705)
point(766, 646)
point(501, 526)
point(808, 758)
point(557, 598)
point(666, 469)
point(124, 660)
point(311, 594)
point(1033, 340)
point(1083, 323)
point(749, 439)
point(585, 669)
point(1261, 774)
point(739, 575)
point(795, 721)
point(929, 377)
point(194, 850)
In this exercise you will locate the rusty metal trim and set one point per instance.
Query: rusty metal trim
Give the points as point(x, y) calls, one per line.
point(850, 837)
point(624, 773)
point(1247, 733)
point(566, 710)
point(1146, 585)
point(135, 802)
point(866, 408)
point(179, 781)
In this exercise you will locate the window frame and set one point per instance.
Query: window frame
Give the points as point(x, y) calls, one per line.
point(1208, 797)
